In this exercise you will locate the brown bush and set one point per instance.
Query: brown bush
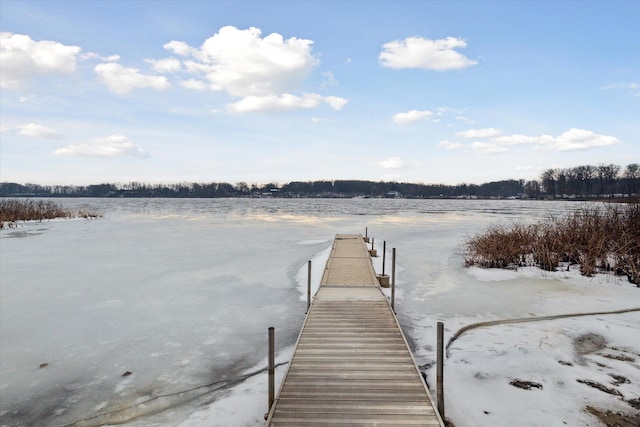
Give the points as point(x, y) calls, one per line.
point(14, 210)
point(598, 238)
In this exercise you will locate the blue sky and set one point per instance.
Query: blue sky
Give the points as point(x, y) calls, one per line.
point(278, 91)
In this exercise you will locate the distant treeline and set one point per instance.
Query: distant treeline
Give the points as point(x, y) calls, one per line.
point(586, 181)
point(329, 189)
point(583, 181)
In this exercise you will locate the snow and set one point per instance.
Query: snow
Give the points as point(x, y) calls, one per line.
point(181, 292)
point(483, 361)
point(243, 405)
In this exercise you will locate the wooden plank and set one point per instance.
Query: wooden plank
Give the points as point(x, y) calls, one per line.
point(321, 419)
point(352, 365)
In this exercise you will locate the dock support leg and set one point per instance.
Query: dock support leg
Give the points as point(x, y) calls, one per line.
point(309, 286)
point(393, 280)
point(272, 366)
point(440, 370)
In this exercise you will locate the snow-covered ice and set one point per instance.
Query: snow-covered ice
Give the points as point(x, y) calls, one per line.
point(180, 293)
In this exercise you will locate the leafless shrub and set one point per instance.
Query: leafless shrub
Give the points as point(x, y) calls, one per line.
point(14, 210)
point(500, 247)
point(597, 238)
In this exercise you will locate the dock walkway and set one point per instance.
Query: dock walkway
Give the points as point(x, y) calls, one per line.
point(352, 365)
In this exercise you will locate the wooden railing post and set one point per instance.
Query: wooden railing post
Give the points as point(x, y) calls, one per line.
point(309, 286)
point(272, 366)
point(440, 370)
point(384, 254)
point(393, 279)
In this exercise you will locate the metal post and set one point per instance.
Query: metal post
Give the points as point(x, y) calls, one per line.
point(272, 364)
point(393, 280)
point(309, 286)
point(384, 254)
point(366, 232)
point(440, 369)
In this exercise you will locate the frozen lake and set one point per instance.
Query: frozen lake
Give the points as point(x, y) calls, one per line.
point(154, 314)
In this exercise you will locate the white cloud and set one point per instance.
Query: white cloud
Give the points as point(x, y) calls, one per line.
point(479, 133)
point(465, 119)
point(487, 148)
point(411, 116)
point(418, 52)
point(123, 80)
point(286, 101)
point(113, 146)
point(193, 67)
point(571, 140)
point(179, 48)
point(243, 63)
point(391, 163)
point(38, 131)
point(93, 55)
point(449, 145)
point(21, 58)
point(193, 84)
point(396, 163)
point(111, 58)
point(578, 139)
point(335, 102)
point(167, 65)
point(88, 55)
point(264, 72)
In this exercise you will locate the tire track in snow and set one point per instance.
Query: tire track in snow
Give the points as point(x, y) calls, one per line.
point(467, 328)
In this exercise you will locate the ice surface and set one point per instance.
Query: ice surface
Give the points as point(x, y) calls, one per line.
point(180, 293)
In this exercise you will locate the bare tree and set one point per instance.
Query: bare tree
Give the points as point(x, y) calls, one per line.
point(610, 175)
point(632, 178)
point(532, 189)
point(548, 179)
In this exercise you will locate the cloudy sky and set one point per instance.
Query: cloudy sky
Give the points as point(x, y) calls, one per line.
point(262, 91)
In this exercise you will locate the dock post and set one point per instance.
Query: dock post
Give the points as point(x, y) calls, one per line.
point(373, 252)
point(308, 286)
point(272, 364)
point(393, 280)
point(440, 370)
point(384, 254)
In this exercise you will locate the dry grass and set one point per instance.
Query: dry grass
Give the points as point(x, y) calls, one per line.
point(598, 239)
point(14, 210)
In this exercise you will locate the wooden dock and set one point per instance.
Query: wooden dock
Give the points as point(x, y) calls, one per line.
point(352, 365)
